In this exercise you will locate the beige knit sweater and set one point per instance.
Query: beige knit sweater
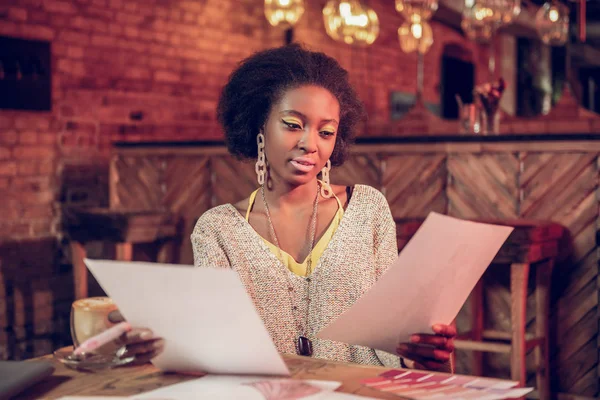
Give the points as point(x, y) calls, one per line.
point(361, 249)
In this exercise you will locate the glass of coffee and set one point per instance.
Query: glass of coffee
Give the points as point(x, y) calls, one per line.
point(89, 317)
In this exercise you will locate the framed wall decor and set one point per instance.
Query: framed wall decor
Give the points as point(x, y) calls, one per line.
point(25, 75)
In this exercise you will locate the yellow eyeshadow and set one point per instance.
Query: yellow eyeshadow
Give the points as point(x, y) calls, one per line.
point(328, 129)
point(292, 121)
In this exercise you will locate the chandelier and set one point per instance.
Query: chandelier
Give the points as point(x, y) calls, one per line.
point(508, 10)
point(552, 23)
point(481, 18)
point(284, 13)
point(415, 34)
point(351, 22)
point(478, 22)
point(424, 9)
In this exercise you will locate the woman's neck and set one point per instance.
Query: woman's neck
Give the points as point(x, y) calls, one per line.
point(282, 195)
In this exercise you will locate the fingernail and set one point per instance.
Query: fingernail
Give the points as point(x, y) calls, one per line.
point(158, 344)
point(146, 335)
point(115, 317)
point(415, 338)
point(436, 327)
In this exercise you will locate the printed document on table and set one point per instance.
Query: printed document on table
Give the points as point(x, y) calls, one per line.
point(207, 319)
point(226, 387)
point(427, 284)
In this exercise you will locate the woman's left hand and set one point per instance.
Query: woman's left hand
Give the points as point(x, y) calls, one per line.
point(430, 351)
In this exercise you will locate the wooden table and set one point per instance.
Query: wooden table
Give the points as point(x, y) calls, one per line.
point(131, 380)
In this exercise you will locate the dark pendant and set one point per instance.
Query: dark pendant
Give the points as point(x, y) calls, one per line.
point(304, 347)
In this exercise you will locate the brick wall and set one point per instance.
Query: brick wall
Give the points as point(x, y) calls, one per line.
point(143, 70)
point(152, 70)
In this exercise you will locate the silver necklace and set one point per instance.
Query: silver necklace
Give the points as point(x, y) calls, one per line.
point(303, 344)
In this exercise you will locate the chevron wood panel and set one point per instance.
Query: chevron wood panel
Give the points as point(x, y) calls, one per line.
point(359, 168)
point(187, 192)
point(577, 336)
point(483, 185)
point(562, 187)
point(576, 368)
point(565, 178)
point(486, 186)
point(233, 180)
point(414, 185)
point(187, 186)
point(572, 283)
point(587, 385)
point(135, 182)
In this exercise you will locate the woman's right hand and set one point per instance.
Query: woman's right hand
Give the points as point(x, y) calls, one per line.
point(139, 342)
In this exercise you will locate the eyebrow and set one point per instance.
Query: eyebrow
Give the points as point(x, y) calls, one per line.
point(299, 114)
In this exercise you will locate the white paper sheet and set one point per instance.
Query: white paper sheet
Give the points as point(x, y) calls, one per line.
point(207, 319)
point(223, 387)
point(427, 284)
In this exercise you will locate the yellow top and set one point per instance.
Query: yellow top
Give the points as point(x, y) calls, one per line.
point(289, 261)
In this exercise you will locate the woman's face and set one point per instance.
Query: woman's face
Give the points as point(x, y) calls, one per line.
point(300, 133)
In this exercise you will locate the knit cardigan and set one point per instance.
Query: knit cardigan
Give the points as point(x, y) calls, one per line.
point(360, 251)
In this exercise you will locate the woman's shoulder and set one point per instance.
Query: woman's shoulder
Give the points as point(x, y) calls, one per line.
point(369, 202)
point(368, 194)
point(216, 218)
point(372, 205)
point(362, 193)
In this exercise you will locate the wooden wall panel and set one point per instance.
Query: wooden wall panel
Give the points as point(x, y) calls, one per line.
point(186, 191)
point(415, 185)
point(565, 179)
point(232, 179)
point(483, 185)
point(362, 169)
point(186, 186)
point(562, 187)
point(576, 368)
point(587, 385)
point(135, 182)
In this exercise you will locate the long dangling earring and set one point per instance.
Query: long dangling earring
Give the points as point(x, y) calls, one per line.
point(326, 191)
point(261, 166)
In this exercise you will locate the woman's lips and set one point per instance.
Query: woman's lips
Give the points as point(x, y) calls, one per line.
point(302, 165)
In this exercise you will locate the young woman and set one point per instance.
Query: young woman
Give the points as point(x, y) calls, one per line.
point(305, 250)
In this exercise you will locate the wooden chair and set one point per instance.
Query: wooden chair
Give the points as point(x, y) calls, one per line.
point(531, 243)
point(125, 228)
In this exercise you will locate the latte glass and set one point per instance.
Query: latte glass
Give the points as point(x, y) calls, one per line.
point(89, 317)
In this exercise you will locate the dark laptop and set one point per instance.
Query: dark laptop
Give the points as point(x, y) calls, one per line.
point(16, 376)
